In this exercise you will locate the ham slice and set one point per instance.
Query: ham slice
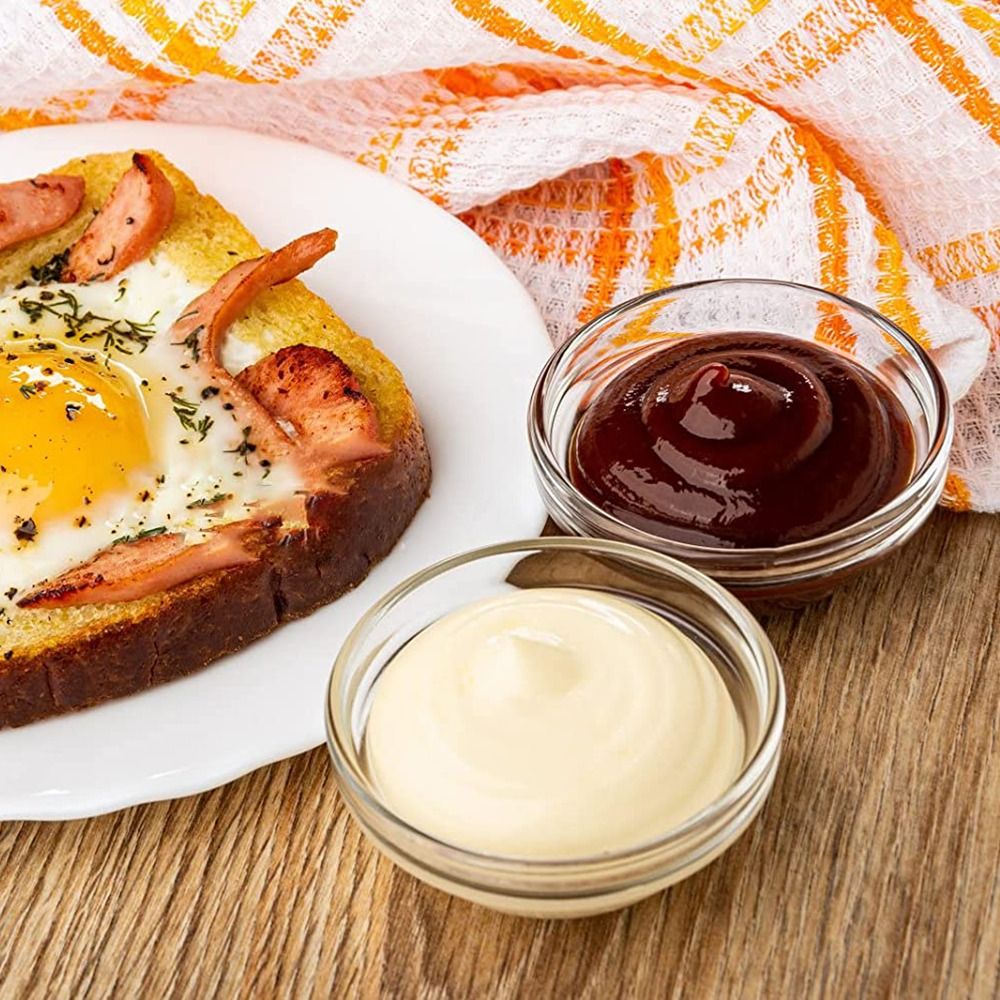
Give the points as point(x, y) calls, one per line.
point(127, 227)
point(313, 393)
point(135, 569)
point(202, 329)
point(214, 312)
point(34, 207)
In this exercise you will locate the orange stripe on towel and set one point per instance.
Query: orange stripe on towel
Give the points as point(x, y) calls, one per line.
point(179, 43)
point(821, 38)
point(612, 250)
point(831, 219)
point(665, 247)
point(713, 134)
point(945, 61)
point(969, 256)
point(587, 23)
point(987, 24)
point(713, 223)
point(307, 32)
point(494, 19)
point(707, 27)
point(72, 16)
point(893, 287)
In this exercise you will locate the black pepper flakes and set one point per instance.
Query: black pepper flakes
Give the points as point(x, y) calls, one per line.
point(26, 531)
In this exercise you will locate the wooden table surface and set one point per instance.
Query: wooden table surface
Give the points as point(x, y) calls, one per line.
point(872, 871)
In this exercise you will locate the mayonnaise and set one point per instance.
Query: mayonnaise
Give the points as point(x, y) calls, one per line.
point(551, 723)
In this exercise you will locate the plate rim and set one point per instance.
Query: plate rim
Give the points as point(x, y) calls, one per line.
point(143, 125)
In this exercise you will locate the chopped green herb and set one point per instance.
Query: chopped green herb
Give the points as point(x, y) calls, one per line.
point(245, 448)
point(209, 501)
point(51, 269)
point(139, 535)
point(119, 334)
point(191, 341)
point(186, 411)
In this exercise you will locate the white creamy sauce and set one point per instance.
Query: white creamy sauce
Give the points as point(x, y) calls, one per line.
point(552, 723)
point(188, 464)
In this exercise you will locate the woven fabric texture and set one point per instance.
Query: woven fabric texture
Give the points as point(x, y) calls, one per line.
point(608, 147)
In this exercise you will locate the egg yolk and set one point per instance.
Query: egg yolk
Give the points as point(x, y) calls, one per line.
point(72, 432)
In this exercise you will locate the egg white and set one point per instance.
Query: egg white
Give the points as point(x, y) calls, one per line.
point(185, 468)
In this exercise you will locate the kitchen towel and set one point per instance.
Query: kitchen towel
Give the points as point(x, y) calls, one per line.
point(608, 147)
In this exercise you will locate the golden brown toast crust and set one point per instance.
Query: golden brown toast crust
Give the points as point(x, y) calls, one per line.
point(223, 612)
point(133, 647)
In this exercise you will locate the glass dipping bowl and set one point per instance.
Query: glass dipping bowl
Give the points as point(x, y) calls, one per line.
point(564, 887)
point(785, 575)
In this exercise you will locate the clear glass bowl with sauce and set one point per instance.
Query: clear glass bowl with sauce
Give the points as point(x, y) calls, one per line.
point(562, 887)
point(787, 574)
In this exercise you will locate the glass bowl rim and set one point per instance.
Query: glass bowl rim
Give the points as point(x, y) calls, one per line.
point(543, 454)
point(771, 701)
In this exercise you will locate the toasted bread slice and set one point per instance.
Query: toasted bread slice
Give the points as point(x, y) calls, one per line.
point(58, 660)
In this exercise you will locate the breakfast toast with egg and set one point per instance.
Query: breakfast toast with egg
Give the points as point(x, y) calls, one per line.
point(233, 455)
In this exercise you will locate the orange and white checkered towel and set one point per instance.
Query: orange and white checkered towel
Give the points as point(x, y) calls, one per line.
point(606, 147)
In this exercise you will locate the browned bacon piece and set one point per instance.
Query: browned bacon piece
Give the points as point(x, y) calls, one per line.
point(311, 391)
point(135, 569)
point(127, 227)
point(34, 207)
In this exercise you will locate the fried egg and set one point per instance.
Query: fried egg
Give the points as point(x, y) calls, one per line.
point(107, 428)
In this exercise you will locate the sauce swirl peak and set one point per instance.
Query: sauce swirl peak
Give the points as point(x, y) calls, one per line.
point(742, 440)
point(553, 723)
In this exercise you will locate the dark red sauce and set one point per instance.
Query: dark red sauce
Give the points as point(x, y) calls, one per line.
point(742, 440)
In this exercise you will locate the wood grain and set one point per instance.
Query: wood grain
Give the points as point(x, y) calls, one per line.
point(872, 872)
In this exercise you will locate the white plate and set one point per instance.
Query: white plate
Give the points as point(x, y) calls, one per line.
point(469, 341)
